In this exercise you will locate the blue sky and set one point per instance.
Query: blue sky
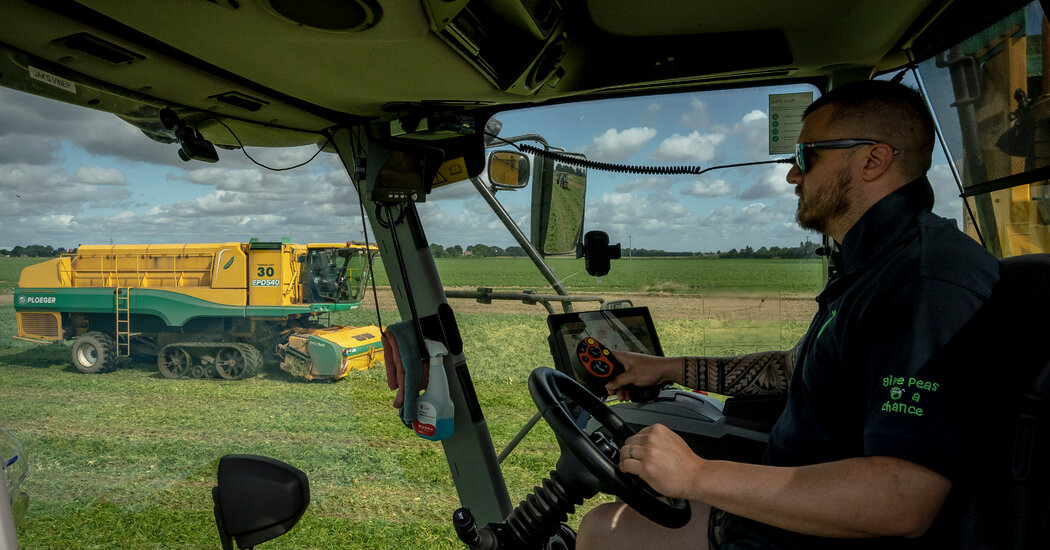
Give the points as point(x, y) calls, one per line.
point(72, 176)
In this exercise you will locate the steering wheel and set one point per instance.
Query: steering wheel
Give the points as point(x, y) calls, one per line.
point(549, 389)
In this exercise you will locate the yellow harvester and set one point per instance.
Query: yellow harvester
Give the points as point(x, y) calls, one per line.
point(204, 310)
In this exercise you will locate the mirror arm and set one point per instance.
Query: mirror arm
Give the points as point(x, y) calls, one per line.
point(522, 240)
point(503, 142)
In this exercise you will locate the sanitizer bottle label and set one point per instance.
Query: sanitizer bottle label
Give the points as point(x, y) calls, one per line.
point(426, 420)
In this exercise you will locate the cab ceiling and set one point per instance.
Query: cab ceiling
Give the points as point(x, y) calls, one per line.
point(249, 60)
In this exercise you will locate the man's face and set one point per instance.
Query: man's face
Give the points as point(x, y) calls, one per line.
point(824, 190)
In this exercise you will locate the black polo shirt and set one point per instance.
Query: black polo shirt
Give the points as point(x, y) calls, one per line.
point(863, 383)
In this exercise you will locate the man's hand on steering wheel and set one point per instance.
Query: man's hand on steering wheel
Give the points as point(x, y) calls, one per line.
point(662, 459)
point(550, 391)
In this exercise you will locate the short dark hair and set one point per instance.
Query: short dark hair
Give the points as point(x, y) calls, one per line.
point(886, 111)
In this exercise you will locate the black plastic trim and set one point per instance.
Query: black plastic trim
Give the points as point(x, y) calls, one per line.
point(998, 184)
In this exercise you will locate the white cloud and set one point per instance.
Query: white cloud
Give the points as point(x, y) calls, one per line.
point(307, 206)
point(27, 149)
point(459, 190)
point(757, 213)
point(648, 217)
point(39, 190)
point(695, 147)
point(722, 215)
point(614, 145)
point(708, 188)
point(751, 217)
point(465, 223)
point(697, 117)
point(755, 115)
point(58, 220)
point(771, 183)
point(225, 178)
point(619, 200)
point(97, 175)
point(638, 184)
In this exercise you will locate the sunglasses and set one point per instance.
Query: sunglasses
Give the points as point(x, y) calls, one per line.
point(802, 148)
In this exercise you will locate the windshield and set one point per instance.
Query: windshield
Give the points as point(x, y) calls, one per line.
point(720, 252)
point(989, 95)
point(723, 211)
point(335, 275)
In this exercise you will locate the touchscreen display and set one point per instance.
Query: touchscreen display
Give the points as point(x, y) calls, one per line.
point(629, 329)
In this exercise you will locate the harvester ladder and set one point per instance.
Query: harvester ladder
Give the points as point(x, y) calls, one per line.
point(123, 297)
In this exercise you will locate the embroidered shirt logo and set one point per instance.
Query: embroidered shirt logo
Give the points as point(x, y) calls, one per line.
point(826, 323)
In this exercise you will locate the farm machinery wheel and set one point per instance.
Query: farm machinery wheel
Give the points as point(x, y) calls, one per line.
point(94, 353)
point(175, 362)
point(237, 361)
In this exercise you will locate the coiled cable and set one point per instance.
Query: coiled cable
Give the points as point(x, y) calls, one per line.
point(581, 162)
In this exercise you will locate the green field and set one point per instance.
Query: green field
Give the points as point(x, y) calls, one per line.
point(671, 275)
point(128, 459)
point(10, 268)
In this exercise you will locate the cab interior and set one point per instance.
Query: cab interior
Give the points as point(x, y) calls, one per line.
point(354, 77)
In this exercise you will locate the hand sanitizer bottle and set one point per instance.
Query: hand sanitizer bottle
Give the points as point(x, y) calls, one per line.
point(434, 410)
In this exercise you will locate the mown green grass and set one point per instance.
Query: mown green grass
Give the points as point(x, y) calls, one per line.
point(128, 459)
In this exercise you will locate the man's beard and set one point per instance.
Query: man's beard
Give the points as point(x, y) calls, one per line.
point(819, 209)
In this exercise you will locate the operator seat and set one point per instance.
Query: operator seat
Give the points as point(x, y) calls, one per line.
point(1003, 497)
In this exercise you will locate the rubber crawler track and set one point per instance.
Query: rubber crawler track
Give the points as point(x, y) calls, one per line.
point(252, 356)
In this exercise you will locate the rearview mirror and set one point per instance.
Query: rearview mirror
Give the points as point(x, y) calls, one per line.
point(558, 200)
point(508, 170)
point(257, 499)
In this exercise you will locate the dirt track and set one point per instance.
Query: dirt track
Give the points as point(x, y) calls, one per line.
point(663, 306)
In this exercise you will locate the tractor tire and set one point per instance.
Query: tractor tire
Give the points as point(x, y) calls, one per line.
point(175, 362)
point(255, 360)
point(94, 353)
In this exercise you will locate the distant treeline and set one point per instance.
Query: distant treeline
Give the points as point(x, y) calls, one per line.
point(32, 251)
point(803, 250)
point(475, 250)
point(576, 170)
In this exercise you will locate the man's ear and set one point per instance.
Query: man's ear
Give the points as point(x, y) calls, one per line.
point(877, 161)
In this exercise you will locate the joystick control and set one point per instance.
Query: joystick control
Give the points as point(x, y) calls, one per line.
point(600, 366)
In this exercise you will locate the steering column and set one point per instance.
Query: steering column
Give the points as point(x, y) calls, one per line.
point(588, 465)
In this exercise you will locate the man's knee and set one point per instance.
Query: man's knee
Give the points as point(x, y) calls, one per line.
point(596, 528)
point(616, 525)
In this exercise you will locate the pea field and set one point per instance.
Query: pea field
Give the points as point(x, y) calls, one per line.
point(128, 459)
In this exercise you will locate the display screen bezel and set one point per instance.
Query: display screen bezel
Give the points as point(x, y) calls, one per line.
point(608, 326)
